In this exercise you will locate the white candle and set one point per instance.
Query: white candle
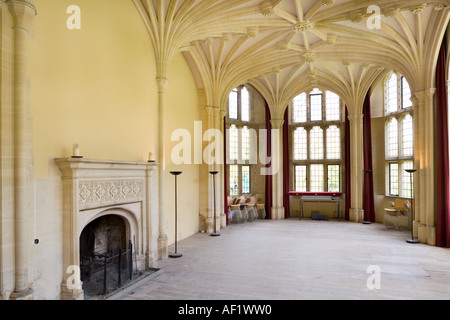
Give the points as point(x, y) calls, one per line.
point(76, 150)
point(150, 156)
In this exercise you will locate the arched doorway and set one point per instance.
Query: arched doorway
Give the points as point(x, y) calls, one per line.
point(105, 255)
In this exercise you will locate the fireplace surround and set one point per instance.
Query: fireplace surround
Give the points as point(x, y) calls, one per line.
point(95, 189)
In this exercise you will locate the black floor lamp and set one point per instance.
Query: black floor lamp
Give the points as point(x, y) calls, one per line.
point(214, 233)
point(176, 254)
point(413, 206)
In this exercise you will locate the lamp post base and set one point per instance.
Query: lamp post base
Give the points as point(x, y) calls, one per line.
point(215, 234)
point(412, 241)
point(175, 255)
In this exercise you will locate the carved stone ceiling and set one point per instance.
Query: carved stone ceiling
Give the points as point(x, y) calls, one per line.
point(285, 46)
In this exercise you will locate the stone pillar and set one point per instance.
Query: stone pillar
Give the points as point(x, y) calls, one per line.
point(6, 152)
point(425, 222)
point(417, 164)
point(277, 173)
point(222, 177)
point(217, 125)
point(210, 209)
point(214, 205)
point(23, 13)
point(357, 167)
point(150, 254)
point(163, 251)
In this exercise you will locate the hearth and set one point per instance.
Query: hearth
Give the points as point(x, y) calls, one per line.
point(105, 255)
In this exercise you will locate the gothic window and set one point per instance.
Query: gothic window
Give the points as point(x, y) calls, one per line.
point(316, 141)
point(239, 141)
point(300, 111)
point(300, 144)
point(399, 137)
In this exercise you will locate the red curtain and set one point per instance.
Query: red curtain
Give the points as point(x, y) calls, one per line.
point(286, 179)
point(442, 190)
point(368, 195)
point(348, 187)
point(268, 177)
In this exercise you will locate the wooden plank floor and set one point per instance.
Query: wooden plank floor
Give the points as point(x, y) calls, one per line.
point(299, 260)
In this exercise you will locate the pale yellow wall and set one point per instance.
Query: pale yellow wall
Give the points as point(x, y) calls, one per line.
point(97, 87)
point(93, 86)
point(181, 112)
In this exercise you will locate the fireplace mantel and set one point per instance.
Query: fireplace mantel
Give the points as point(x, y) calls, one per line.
point(85, 165)
point(94, 188)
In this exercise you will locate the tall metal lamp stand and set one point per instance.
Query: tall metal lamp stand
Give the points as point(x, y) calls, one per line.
point(176, 254)
point(214, 233)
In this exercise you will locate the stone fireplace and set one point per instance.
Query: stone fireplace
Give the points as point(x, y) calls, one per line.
point(107, 205)
point(106, 258)
point(105, 234)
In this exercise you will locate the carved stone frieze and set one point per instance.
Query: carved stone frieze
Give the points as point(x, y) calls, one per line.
point(94, 194)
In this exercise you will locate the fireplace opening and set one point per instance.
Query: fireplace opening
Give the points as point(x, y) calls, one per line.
point(105, 255)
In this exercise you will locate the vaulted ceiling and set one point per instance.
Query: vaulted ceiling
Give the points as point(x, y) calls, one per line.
point(284, 47)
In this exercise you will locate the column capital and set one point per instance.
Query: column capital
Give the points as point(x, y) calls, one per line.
point(212, 109)
point(420, 98)
point(23, 13)
point(427, 93)
point(356, 117)
point(277, 123)
point(162, 84)
point(223, 113)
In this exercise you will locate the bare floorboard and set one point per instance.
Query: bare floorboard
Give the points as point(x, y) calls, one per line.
point(300, 260)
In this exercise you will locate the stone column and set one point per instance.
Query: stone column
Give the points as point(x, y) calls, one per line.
point(217, 125)
point(357, 167)
point(222, 177)
point(425, 222)
point(6, 153)
point(163, 250)
point(23, 13)
point(213, 123)
point(210, 209)
point(417, 164)
point(150, 255)
point(277, 173)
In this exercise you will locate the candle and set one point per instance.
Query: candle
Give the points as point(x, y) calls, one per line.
point(150, 157)
point(76, 150)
